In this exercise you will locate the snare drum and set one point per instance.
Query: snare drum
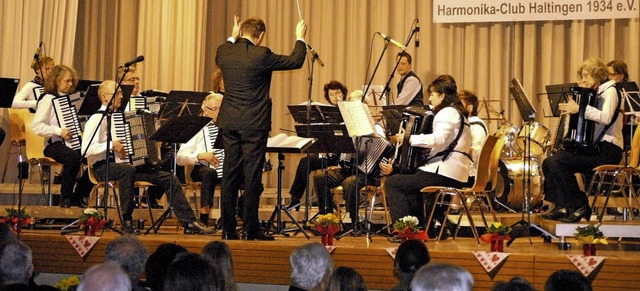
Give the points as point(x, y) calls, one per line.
point(510, 150)
point(539, 136)
point(511, 178)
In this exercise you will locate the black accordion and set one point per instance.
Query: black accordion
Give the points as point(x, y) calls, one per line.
point(133, 130)
point(579, 136)
point(416, 120)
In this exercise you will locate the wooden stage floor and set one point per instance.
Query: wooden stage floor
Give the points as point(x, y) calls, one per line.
point(267, 262)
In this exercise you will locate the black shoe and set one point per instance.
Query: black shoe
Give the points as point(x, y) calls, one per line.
point(230, 235)
point(129, 227)
point(196, 227)
point(579, 214)
point(258, 236)
point(204, 218)
point(557, 213)
point(65, 203)
point(80, 203)
point(294, 202)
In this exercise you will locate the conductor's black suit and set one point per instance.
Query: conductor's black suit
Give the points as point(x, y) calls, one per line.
point(245, 121)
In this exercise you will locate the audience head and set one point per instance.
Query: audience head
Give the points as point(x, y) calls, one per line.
point(566, 280)
point(190, 272)
point(131, 78)
point(105, 277)
point(219, 255)
point(444, 92)
point(345, 278)
point(253, 28)
point(618, 71)
point(158, 263)
point(129, 253)
point(15, 263)
point(515, 284)
point(311, 266)
point(411, 255)
point(593, 72)
point(218, 82)
point(335, 91)
point(469, 101)
point(442, 277)
point(62, 80)
point(42, 67)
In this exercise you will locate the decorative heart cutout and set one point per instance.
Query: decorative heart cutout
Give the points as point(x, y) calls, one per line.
point(495, 258)
point(87, 244)
point(592, 262)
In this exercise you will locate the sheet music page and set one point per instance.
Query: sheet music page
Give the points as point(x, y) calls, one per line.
point(283, 141)
point(357, 118)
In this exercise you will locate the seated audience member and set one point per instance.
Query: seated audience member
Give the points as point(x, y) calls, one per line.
point(219, 255)
point(411, 255)
point(190, 272)
point(158, 262)
point(311, 266)
point(15, 265)
point(105, 277)
point(130, 255)
point(345, 278)
point(6, 233)
point(565, 280)
point(439, 276)
point(515, 284)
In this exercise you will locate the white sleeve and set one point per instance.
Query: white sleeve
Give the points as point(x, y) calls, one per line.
point(444, 125)
point(604, 116)
point(410, 88)
point(188, 152)
point(44, 117)
point(22, 98)
point(98, 144)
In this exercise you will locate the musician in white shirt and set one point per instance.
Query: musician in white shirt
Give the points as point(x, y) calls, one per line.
point(30, 93)
point(479, 132)
point(94, 142)
point(560, 184)
point(194, 152)
point(445, 165)
point(62, 81)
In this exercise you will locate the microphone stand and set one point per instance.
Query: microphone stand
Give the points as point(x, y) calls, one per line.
point(387, 90)
point(105, 114)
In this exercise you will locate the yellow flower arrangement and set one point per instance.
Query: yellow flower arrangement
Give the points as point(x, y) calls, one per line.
point(328, 224)
point(67, 283)
point(590, 234)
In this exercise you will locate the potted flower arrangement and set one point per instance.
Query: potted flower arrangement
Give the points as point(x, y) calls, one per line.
point(328, 225)
point(91, 220)
point(589, 236)
point(68, 284)
point(17, 218)
point(496, 234)
point(407, 228)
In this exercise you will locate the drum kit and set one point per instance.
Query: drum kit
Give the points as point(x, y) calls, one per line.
point(521, 155)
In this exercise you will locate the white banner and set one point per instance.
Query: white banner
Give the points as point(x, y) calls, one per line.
point(459, 11)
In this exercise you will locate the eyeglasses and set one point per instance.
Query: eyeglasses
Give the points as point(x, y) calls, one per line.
point(133, 79)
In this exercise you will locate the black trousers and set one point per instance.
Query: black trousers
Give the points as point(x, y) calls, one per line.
point(126, 175)
point(244, 155)
point(71, 161)
point(404, 196)
point(560, 184)
point(335, 177)
point(209, 178)
point(299, 184)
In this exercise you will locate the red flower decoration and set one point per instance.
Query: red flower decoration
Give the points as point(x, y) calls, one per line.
point(330, 229)
point(408, 233)
point(488, 237)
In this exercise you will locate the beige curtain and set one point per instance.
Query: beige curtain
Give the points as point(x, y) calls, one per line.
point(179, 40)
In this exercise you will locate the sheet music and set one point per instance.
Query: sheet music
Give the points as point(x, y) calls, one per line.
point(283, 141)
point(357, 118)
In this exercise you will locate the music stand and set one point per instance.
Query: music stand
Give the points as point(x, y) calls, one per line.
point(558, 94)
point(180, 103)
point(392, 117)
point(631, 106)
point(528, 114)
point(179, 129)
point(318, 114)
point(8, 88)
point(300, 145)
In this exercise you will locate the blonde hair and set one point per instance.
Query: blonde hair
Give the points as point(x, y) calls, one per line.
point(56, 75)
point(596, 68)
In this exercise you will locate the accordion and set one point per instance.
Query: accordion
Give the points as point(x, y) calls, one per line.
point(210, 136)
point(580, 134)
point(67, 117)
point(416, 120)
point(133, 130)
point(371, 151)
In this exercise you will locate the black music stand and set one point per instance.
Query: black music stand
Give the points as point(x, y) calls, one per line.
point(528, 114)
point(392, 116)
point(558, 94)
point(181, 103)
point(631, 106)
point(301, 146)
point(179, 129)
point(318, 114)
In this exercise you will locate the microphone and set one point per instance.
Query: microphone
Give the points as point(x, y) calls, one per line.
point(393, 41)
point(315, 55)
point(417, 32)
point(36, 56)
point(152, 93)
point(138, 59)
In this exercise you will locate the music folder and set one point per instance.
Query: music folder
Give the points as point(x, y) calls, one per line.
point(8, 88)
point(527, 111)
point(180, 129)
point(281, 143)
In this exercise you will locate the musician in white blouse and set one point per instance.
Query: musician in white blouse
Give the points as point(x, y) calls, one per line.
point(479, 132)
point(195, 153)
point(560, 184)
point(30, 93)
point(61, 81)
point(447, 163)
point(94, 142)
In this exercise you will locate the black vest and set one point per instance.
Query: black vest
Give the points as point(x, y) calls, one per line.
point(417, 100)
